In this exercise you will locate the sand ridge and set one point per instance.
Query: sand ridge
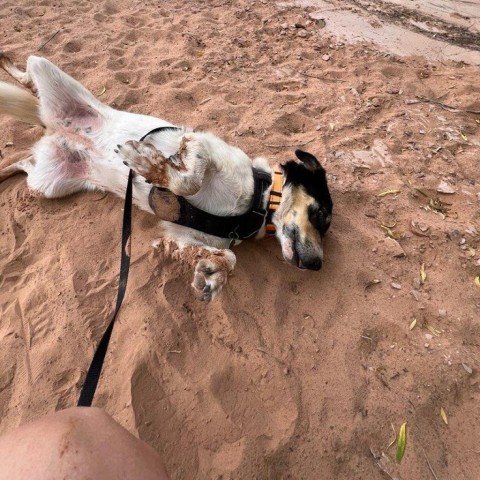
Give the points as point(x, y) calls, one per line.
point(289, 374)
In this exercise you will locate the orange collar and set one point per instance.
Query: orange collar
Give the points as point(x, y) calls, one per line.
point(274, 201)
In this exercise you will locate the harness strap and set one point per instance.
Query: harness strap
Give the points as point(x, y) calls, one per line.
point(93, 375)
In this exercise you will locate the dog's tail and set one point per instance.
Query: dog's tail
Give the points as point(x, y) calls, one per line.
point(19, 104)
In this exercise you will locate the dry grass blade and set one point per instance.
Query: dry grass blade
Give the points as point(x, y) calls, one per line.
point(477, 281)
point(423, 274)
point(371, 283)
point(291, 145)
point(445, 106)
point(388, 192)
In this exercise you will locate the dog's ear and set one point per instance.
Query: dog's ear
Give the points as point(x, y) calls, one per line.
point(309, 160)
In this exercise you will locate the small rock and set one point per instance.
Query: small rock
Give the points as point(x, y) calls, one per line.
point(471, 230)
point(453, 234)
point(284, 26)
point(462, 241)
point(302, 34)
point(326, 57)
point(442, 312)
point(427, 345)
point(415, 294)
point(286, 371)
point(444, 187)
point(477, 262)
point(428, 336)
point(397, 286)
point(394, 248)
point(467, 368)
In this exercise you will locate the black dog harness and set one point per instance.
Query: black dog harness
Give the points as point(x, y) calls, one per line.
point(233, 227)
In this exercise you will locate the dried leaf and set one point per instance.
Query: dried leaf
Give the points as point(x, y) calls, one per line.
point(463, 136)
point(391, 233)
point(388, 192)
point(477, 281)
point(444, 416)
point(423, 274)
point(413, 324)
point(401, 442)
point(434, 331)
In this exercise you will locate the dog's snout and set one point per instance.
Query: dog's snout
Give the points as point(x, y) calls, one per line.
point(311, 263)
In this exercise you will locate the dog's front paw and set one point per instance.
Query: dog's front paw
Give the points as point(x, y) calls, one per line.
point(211, 274)
point(145, 160)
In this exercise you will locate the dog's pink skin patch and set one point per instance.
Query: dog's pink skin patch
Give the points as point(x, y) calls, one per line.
point(72, 151)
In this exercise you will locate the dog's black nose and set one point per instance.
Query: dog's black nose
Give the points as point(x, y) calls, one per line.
point(311, 264)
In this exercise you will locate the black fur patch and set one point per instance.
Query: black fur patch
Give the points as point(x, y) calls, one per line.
point(312, 177)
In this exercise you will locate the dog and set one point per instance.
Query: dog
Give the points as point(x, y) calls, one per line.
point(90, 146)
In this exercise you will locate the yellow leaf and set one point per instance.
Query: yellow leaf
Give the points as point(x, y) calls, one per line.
point(388, 192)
point(463, 136)
point(423, 274)
point(444, 416)
point(401, 442)
point(412, 325)
point(477, 281)
point(102, 92)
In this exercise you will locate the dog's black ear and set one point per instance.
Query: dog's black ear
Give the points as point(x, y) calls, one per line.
point(309, 160)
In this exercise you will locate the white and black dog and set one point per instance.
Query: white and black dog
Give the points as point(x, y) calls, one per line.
point(208, 194)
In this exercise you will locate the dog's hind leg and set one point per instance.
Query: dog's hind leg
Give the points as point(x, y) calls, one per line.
point(21, 77)
point(64, 102)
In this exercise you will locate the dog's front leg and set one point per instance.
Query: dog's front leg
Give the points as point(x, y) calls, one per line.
point(212, 265)
point(181, 173)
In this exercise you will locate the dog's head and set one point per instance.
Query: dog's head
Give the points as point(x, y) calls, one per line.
point(305, 212)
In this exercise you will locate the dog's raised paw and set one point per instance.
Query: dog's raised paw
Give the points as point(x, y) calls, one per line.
point(144, 159)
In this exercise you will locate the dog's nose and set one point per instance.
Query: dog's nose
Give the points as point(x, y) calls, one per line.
point(311, 264)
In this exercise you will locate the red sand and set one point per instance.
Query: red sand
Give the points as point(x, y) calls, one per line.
point(289, 374)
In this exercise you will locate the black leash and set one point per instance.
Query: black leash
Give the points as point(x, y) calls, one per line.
point(93, 374)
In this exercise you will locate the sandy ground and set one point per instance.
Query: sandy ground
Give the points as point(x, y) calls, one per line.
point(289, 374)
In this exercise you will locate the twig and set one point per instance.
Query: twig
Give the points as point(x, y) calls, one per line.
point(49, 40)
point(445, 106)
point(290, 145)
point(204, 101)
point(174, 351)
point(429, 464)
point(322, 78)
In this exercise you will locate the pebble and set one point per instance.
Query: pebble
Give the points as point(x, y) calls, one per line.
point(397, 286)
point(444, 187)
point(415, 294)
point(326, 57)
point(442, 312)
point(302, 34)
point(428, 336)
point(467, 368)
point(394, 248)
point(453, 234)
